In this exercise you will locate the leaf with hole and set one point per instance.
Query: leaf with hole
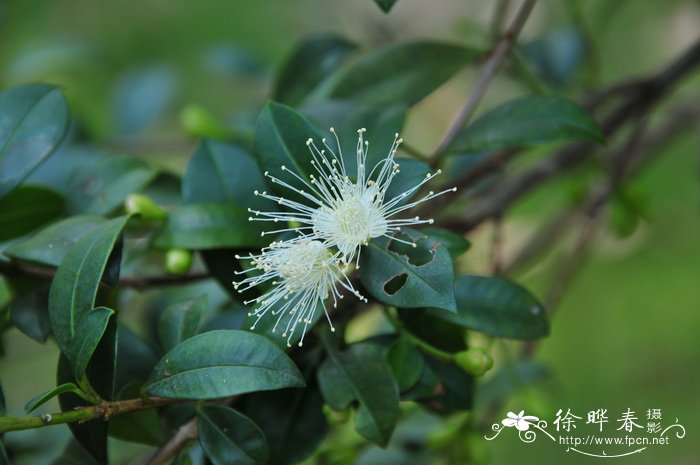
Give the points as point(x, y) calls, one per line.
point(34, 121)
point(498, 307)
point(228, 437)
point(220, 364)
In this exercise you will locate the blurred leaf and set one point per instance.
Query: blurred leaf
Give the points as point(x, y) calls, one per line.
point(406, 363)
point(56, 171)
point(557, 55)
point(220, 364)
point(29, 313)
point(227, 60)
point(510, 379)
point(385, 5)
point(74, 454)
point(228, 437)
point(314, 59)
point(33, 122)
point(457, 391)
point(219, 172)
point(135, 359)
point(91, 328)
point(102, 186)
point(4, 460)
point(180, 321)
point(75, 284)
point(44, 397)
point(222, 265)
point(210, 226)
point(528, 121)
point(361, 373)
point(398, 274)
point(455, 243)
point(142, 96)
point(26, 208)
point(498, 307)
point(50, 245)
point(404, 72)
point(280, 140)
point(281, 415)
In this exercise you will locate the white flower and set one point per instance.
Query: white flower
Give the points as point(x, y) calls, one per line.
point(520, 421)
point(347, 213)
point(302, 273)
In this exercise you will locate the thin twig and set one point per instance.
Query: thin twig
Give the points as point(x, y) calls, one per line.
point(186, 433)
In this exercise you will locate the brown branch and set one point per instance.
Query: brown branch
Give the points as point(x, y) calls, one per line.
point(186, 433)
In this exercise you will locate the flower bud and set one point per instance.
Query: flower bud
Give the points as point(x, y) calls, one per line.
point(140, 204)
point(178, 261)
point(474, 361)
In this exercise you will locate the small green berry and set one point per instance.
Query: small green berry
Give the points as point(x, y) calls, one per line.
point(336, 417)
point(178, 261)
point(475, 361)
point(198, 122)
point(139, 204)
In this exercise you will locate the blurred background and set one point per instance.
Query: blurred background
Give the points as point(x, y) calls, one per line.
point(624, 335)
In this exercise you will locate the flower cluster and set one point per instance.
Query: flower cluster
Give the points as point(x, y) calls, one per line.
point(341, 214)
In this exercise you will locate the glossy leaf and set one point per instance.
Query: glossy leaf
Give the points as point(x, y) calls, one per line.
point(44, 397)
point(210, 226)
point(26, 208)
point(528, 121)
point(180, 321)
point(33, 122)
point(498, 307)
point(102, 186)
point(423, 275)
point(51, 244)
point(404, 72)
point(222, 363)
point(90, 329)
point(74, 287)
point(308, 65)
point(228, 437)
point(362, 374)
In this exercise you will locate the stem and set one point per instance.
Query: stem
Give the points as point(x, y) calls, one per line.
point(425, 346)
point(103, 411)
point(492, 66)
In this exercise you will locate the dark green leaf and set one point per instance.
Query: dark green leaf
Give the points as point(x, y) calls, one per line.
point(315, 58)
point(75, 284)
point(29, 313)
point(102, 186)
point(528, 121)
point(361, 373)
point(51, 244)
point(385, 5)
point(91, 328)
point(210, 226)
point(406, 363)
point(74, 454)
point(498, 307)
point(44, 397)
point(411, 173)
point(229, 437)
point(222, 265)
point(219, 172)
point(455, 243)
point(181, 321)
point(135, 359)
point(398, 274)
point(404, 72)
point(457, 386)
point(26, 208)
point(33, 122)
point(280, 140)
point(141, 427)
point(220, 364)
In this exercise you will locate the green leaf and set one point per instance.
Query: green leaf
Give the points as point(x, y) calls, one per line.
point(528, 121)
point(141, 427)
point(33, 122)
point(219, 172)
point(455, 243)
point(91, 329)
point(398, 274)
point(100, 187)
point(180, 321)
point(210, 226)
point(385, 5)
point(411, 173)
point(51, 244)
point(135, 359)
point(220, 364)
point(280, 140)
point(557, 55)
point(406, 363)
point(404, 72)
point(361, 373)
point(228, 437)
point(498, 307)
point(44, 397)
point(29, 313)
point(315, 58)
point(74, 454)
point(26, 208)
point(74, 287)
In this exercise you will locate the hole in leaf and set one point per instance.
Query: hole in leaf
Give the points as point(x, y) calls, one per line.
point(417, 256)
point(395, 284)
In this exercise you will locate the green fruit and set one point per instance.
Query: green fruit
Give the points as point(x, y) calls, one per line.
point(139, 204)
point(178, 261)
point(475, 361)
